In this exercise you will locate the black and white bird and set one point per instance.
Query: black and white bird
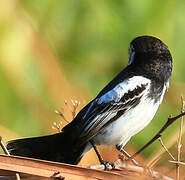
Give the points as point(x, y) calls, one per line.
point(121, 110)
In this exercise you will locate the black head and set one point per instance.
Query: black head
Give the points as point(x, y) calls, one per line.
point(151, 56)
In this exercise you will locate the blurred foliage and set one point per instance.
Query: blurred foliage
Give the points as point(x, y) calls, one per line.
point(51, 51)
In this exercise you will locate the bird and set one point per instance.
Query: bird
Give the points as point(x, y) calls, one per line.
point(124, 107)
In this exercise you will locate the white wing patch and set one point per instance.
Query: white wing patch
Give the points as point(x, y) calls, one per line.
point(118, 92)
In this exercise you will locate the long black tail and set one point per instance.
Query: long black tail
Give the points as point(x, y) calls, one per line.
point(56, 147)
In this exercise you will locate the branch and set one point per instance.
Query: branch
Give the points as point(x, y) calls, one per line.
point(178, 162)
point(7, 153)
point(48, 169)
point(159, 134)
point(179, 143)
point(123, 165)
point(165, 148)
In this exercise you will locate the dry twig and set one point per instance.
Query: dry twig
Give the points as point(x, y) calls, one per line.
point(58, 126)
point(159, 134)
point(166, 149)
point(178, 162)
point(179, 143)
point(7, 153)
point(153, 162)
point(73, 110)
point(49, 169)
point(75, 103)
point(123, 165)
point(62, 115)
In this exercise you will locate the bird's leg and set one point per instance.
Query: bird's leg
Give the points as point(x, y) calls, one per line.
point(120, 148)
point(108, 165)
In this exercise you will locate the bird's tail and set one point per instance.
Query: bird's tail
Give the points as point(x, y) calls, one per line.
point(56, 147)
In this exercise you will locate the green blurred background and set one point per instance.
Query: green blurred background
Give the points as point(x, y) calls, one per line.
point(51, 51)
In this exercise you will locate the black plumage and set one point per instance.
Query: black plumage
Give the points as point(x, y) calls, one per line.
point(112, 117)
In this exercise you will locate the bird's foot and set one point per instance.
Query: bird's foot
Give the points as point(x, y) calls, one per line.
point(108, 165)
point(120, 148)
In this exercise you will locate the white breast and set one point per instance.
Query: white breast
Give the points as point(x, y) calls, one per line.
point(129, 124)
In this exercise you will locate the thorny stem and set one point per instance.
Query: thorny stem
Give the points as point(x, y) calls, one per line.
point(159, 134)
point(7, 153)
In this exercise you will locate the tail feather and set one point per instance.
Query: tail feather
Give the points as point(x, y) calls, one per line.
point(56, 147)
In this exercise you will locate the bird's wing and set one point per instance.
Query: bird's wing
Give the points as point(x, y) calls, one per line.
point(110, 106)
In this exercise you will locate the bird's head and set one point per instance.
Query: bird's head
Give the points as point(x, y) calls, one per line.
point(152, 56)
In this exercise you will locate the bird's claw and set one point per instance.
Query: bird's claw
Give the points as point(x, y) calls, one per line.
point(108, 165)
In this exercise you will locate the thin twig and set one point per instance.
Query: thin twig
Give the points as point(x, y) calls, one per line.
point(123, 165)
point(62, 115)
point(178, 162)
point(166, 149)
point(7, 153)
point(66, 103)
point(169, 143)
point(75, 103)
point(159, 134)
point(179, 144)
point(57, 126)
point(73, 110)
point(121, 156)
point(153, 162)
